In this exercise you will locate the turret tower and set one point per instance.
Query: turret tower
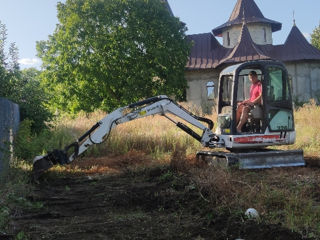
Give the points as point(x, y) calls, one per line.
point(260, 28)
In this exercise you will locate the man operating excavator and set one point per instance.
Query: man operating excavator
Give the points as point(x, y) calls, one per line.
point(277, 129)
point(245, 106)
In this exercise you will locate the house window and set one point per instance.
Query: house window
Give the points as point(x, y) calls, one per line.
point(265, 34)
point(228, 39)
point(210, 90)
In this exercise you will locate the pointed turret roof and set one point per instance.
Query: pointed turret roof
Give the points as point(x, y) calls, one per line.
point(207, 53)
point(248, 11)
point(245, 50)
point(296, 47)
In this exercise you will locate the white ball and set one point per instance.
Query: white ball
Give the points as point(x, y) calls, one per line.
point(251, 213)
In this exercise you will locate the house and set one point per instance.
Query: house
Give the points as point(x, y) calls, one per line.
point(247, 35)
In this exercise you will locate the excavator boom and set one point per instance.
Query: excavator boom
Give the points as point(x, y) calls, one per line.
point(99, 132)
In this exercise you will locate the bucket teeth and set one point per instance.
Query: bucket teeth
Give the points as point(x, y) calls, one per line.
point(43, 163)
point(40, 166)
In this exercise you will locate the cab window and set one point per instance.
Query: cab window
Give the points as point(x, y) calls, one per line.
point(226, 89)
point(278, 88)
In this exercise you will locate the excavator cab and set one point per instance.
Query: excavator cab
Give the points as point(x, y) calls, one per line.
point(269, 123)
point(275, 112)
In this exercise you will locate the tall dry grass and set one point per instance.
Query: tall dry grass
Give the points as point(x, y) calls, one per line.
point(283, 196)
point(307, 119)
point(155, 135)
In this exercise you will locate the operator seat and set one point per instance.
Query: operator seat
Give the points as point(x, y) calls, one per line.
point(256, 112)
point(255, 118)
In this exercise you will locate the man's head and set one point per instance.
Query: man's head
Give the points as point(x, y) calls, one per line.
point(253, 76)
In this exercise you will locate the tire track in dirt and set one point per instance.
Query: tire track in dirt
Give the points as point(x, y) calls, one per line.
point(137, 205)
point(121, 207)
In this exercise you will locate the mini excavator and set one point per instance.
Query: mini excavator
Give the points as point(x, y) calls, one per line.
point(270, 123)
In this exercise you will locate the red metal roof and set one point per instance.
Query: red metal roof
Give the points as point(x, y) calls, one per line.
point(248, 11)
point(208, 53)
point(296, 47)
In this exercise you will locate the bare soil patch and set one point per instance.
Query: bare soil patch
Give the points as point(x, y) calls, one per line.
point(150, 203)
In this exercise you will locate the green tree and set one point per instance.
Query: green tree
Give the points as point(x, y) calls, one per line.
point(3, 71)
point(315, 37)
point(22, 87)
point(33, 103)
point(108, 53)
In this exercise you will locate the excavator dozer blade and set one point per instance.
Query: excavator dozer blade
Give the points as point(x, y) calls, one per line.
point(254, 160)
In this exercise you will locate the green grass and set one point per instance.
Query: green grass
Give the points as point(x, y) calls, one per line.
point(14, 189)
point(288, 197)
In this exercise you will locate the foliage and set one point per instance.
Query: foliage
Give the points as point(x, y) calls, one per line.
point(315, 37)
point(9, 67)
point(29, 144)
point(31, 99)
point(22, 87)
point(24, 144)
point(106, 54)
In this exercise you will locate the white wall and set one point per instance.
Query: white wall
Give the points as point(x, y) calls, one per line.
point(256, 32)
point(197, 88)
point(305, 80)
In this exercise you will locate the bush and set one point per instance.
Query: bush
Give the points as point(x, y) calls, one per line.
point(28, 144)
point(29, 95)
point(24, 145)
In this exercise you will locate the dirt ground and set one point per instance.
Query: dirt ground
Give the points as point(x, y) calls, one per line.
point(150, 203)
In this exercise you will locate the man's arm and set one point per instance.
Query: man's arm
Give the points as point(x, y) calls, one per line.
point(257, 100)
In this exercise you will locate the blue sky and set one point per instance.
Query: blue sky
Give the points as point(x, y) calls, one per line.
point(28, 21)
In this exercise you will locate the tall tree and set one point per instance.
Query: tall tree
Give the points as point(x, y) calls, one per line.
point(107, 53)
point(32, 101)
point(315, 37)
point(3, 71)
point(22, 87)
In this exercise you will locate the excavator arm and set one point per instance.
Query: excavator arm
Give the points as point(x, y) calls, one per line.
point(99, 132)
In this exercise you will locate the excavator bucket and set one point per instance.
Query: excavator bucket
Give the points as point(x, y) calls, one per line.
point(43, 163)
point(40, 164)
point(254, 159)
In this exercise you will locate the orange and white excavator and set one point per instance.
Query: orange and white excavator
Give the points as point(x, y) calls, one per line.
point(270, 123)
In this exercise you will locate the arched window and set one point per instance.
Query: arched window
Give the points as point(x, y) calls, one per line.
point(210, 90)
point(228, 39)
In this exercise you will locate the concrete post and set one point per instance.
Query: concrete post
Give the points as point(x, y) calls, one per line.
point(9, 123)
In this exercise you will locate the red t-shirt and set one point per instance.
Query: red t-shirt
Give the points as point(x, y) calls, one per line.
point(255, 91)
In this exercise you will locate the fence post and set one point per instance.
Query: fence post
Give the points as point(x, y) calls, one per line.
point(9, 124)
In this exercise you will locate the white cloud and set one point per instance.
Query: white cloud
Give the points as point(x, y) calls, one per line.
point(29, 62)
